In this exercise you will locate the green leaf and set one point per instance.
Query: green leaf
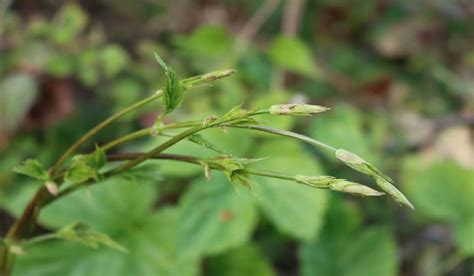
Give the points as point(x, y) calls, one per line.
point(86, 166)
point(68, 23)
point(245, 260)
point(32, 168)
point(214, 217)
point(293, 55)
point(173, 90)
point(130, 195)
point(61, 64)
point(371, 252)
point(151, 243)
point(295, 209)
point(18, 93)
point(80, 172)
point(207, 41)
point(444, 192)
point(81, 233)
point(113, 59)
point(346, 249)
point(122, 207)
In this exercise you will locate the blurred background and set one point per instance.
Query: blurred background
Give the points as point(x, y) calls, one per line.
point(398, 75)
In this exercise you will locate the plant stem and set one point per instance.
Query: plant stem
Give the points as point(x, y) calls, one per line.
point(41, 238)
point(145, 132)
point(100, 126)
point(165, 156)
point(157, 150)
point(286, 133)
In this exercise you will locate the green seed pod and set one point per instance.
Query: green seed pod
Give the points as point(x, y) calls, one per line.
point(354, 188)
point(297, 109)
point(315, 181)
point(340, 185)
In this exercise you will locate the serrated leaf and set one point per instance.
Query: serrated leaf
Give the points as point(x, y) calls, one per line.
point(32, 168)
point(293, 208)
point(214, 217)
point(86, 166)
point(80, 172)
point(293, 55)
point(173, 90)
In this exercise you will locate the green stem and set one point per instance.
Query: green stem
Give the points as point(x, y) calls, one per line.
point(38, 239)
point(146, 132)
point(270, 174)
point(100, 126)
point(157, 150)
point(286, 133)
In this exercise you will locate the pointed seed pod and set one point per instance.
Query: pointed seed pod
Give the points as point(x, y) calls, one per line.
point(297, 109)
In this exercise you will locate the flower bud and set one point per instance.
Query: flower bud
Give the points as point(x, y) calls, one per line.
point(297, 109)
point(215, 75)
point(354, 188)
point(340, 185)
point(315, 181)
point(52, 187)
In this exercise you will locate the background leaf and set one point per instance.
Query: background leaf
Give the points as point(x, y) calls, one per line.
point(293, 55)
point(345, 250)
point(293, 208)
point(215, 216)
point(444, 191)
point(245, 260)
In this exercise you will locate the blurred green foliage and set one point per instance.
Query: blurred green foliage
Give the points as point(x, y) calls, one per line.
point(398, 76)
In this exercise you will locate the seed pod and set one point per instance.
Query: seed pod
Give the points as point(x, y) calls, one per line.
point(297, 109)
point(354, 188)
